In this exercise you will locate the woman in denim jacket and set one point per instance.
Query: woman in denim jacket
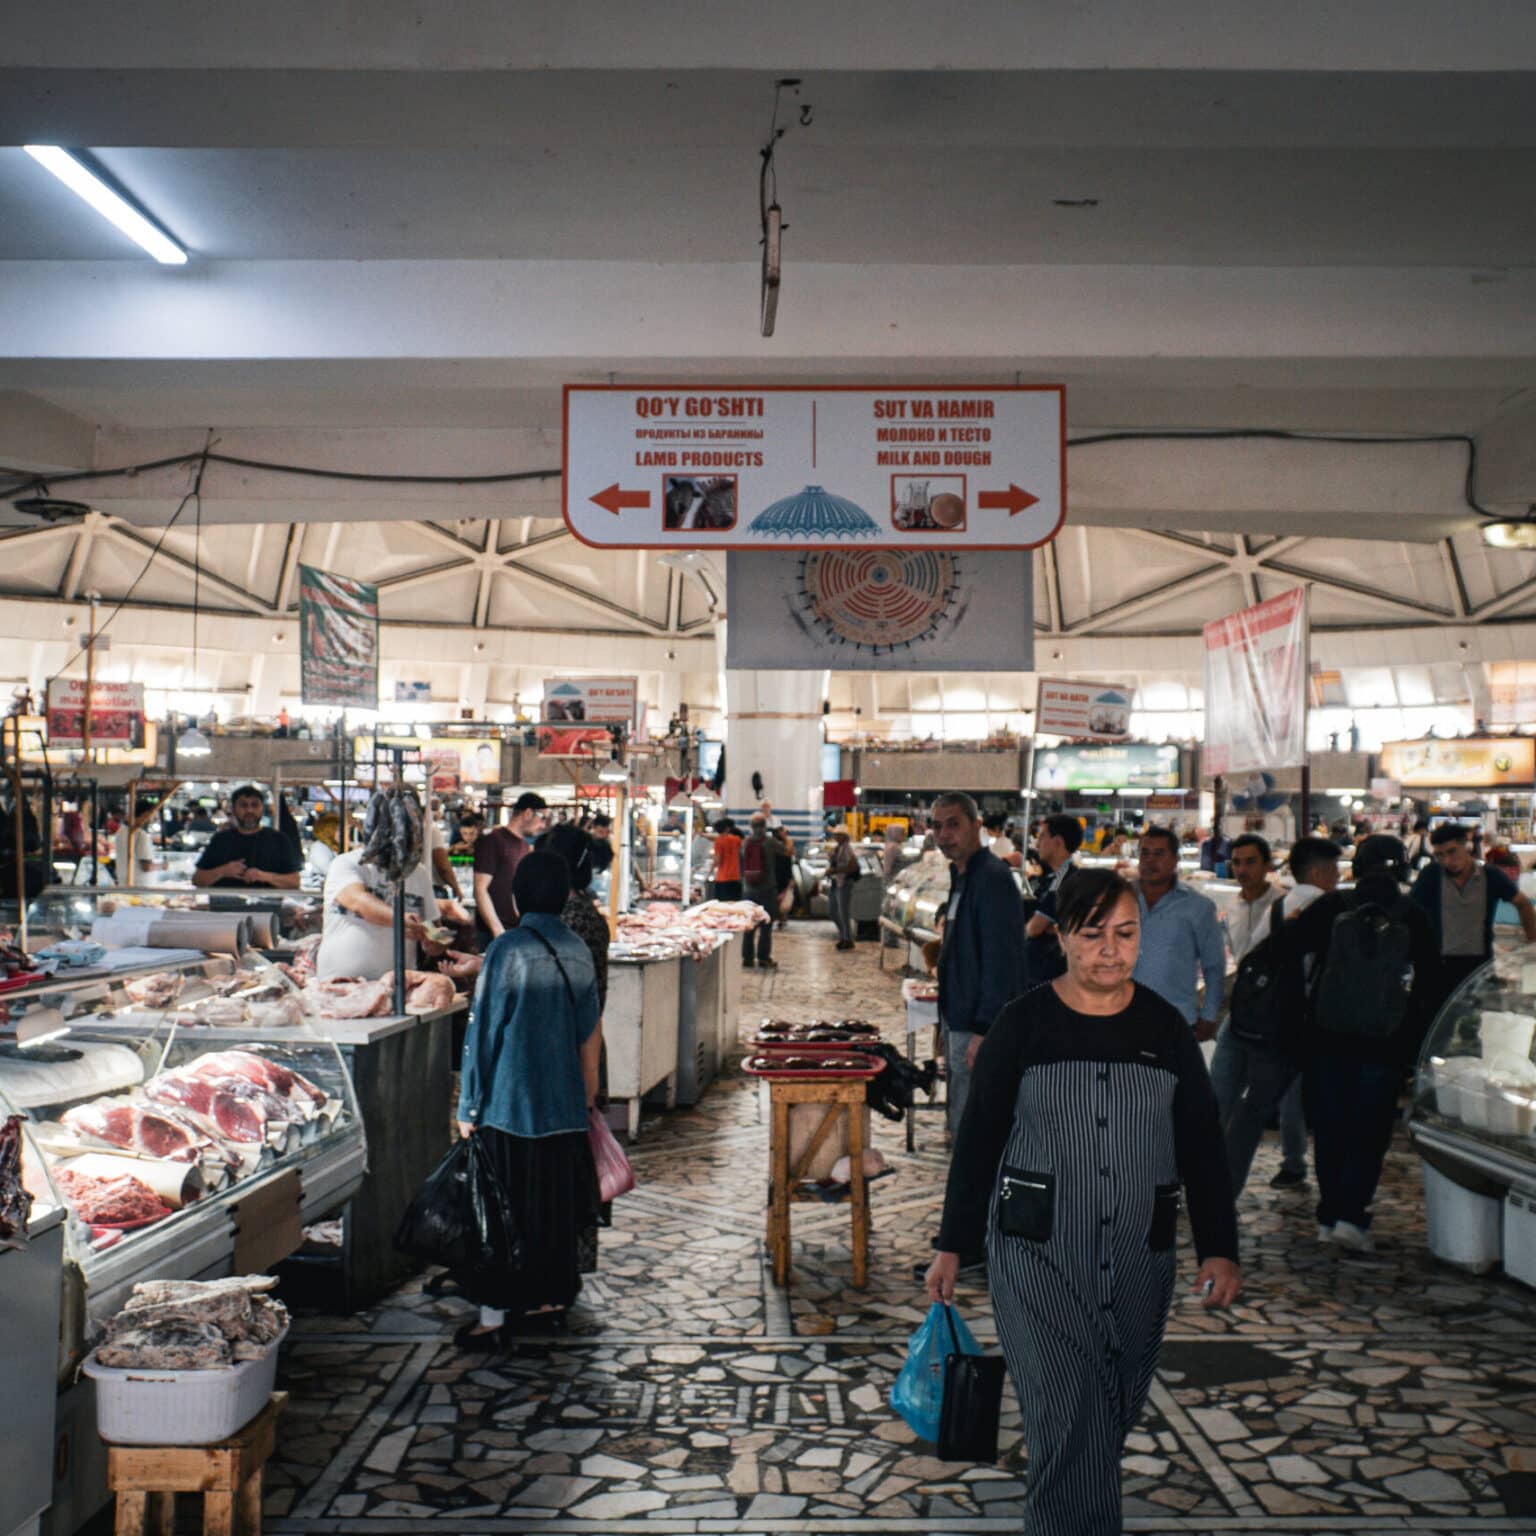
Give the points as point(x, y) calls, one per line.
point(529, 1074)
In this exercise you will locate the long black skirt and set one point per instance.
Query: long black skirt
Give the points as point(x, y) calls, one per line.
point(551, 1182)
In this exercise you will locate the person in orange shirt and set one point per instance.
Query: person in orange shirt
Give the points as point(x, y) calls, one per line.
point(727, 860)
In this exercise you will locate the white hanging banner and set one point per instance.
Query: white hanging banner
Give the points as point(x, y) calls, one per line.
point(826, 467)
point(1256, 687)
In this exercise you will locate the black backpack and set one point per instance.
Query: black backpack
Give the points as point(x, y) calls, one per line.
point(1258, 1014)
point(1363, 987)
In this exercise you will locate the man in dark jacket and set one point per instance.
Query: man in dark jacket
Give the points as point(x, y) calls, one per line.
point(1360, 1030)
point(981, 966)
point(1459, 897)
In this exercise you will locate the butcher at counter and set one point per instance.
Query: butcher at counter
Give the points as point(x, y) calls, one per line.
point(358, 938)
point(245, 853)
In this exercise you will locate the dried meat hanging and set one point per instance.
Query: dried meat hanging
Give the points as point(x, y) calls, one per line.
point(393, 840)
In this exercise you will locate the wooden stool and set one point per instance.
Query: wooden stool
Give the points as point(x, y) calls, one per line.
point(841, 1097)
point(147, 1478)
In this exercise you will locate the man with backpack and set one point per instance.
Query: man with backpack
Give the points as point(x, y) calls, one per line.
point(1377, 968)
point(1256, 1065)
point(759, 883)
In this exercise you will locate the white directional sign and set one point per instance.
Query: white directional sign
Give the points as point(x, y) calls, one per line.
point(776, 467)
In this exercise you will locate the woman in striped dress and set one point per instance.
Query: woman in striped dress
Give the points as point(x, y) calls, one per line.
point(1090, 1107)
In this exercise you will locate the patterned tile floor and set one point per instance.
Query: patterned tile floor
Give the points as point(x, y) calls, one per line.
point(1368, 1395)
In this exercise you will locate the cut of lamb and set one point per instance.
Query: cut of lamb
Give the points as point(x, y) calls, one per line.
point(427, 991)
point(263, 1072)
point(353, 997)
point(157, 991)
point(135, 1128)
point(228, 1112)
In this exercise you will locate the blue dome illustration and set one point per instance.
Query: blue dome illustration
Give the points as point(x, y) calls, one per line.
point(815, 512)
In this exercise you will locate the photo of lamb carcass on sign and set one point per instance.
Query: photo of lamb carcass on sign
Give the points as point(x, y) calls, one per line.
point(699, 504)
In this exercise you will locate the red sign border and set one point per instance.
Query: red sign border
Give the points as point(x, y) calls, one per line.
point(700, 386)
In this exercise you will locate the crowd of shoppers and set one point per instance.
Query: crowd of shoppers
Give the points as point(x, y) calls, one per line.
point(1080, 1102)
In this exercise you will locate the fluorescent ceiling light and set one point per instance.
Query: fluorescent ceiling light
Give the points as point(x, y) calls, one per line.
point(192, 743)
point(1512, 533)
point(613, 772)
point(114, 208)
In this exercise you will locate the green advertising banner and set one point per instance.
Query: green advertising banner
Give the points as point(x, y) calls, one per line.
point(1133, 766)
point(338, 639)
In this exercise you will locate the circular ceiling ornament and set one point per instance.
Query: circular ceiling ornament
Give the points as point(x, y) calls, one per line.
point(878, 599)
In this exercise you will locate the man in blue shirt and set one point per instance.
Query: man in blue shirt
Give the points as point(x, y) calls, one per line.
point(1180, 935)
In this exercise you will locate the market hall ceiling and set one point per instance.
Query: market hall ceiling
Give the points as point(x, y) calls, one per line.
point(408, 228)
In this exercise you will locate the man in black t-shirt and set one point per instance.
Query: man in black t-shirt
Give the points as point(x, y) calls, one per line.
point(1060, 837)
point(246, 853)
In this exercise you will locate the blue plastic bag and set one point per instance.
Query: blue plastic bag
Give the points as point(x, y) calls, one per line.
point(918, 1392)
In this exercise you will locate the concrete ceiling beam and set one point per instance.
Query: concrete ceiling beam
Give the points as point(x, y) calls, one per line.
point(673, 35)
point(582, 310)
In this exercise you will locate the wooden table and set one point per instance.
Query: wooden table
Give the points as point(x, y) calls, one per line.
point(147, 1478)
point(841, 1096)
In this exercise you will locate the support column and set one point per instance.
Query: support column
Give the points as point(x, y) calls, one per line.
point(773, 728)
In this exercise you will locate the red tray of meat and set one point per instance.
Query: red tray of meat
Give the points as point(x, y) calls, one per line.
point(778, 1067)
point(811, 1047)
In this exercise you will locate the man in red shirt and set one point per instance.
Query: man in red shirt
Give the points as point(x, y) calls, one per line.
point(727, 861)
point(498, 852)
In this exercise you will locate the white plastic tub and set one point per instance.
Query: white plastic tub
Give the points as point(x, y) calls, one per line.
point(139, 1407)
point(1462, 1228)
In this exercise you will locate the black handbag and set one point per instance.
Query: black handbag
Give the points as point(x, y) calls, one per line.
point(973, 1397)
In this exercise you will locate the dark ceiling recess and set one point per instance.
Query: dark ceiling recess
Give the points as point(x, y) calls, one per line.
point(52, 509)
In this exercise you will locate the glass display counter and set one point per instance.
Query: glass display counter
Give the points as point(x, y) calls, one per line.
point(277, 917)
point(190, 1121)
point(1473, 1118)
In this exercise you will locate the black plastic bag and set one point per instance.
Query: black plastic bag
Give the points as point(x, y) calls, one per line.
point(461, 1216)
point(972, 1404)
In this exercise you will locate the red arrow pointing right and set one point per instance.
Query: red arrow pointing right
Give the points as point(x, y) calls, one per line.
point(613, 499)
point(1014, 499)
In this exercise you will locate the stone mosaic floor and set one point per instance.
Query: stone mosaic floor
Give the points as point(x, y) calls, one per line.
point(1362, 1395)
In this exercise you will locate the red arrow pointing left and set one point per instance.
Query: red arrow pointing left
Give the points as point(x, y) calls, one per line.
point(613, 499)
point(1014, 499)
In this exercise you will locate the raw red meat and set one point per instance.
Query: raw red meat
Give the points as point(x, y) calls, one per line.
point(135, 1128)
point(231, 1111)
point(114, 1201)
point(262, 1071)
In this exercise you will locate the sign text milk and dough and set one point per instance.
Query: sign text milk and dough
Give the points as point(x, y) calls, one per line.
point(776, 467)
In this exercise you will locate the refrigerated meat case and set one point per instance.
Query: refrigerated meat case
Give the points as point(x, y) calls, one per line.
point(67, 911)
point(83, 1039)
point(1473, 1118)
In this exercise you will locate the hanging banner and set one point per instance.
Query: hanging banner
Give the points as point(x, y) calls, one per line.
point(881, 610)
point(117, 714)
point(1256, 687)
point(1088, 711)
point(776, 466)
point(593, 700)
point(338, 639)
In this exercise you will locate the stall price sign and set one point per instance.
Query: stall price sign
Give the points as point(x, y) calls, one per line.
point(797, 467)
point(117, 714)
